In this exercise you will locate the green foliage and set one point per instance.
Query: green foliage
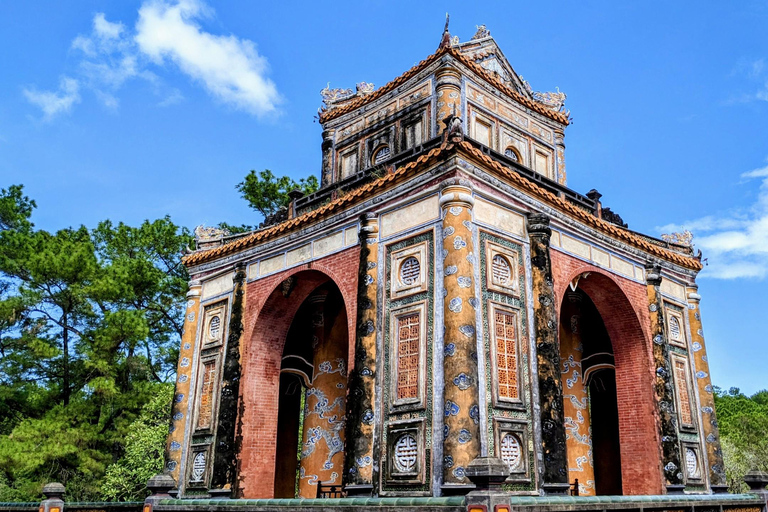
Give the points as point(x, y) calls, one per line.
point(143, 458)
point(90, 322)
point(266, 193)
point(743, 423)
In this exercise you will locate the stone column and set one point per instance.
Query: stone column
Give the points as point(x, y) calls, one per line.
point(663, 386)
point(180, 409)
point(359, 468)
point(545, 324)
point(326, 172)
point(448, 88)
point(560, 156)
point(54, 498)
point(226, 447)
point(709, 430)
point(461, 443)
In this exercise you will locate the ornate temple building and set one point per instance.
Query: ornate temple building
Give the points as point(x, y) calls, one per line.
point(443, 298)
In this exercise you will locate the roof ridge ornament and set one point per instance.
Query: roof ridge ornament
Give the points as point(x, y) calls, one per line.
point(552, 100)
point(482, 32)
point(446, 39)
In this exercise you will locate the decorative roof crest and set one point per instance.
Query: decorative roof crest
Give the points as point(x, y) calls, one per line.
point(684, 238)
point(364, 88)
point(331, 96)
point(481, 33)
point(552, 100)
point(206, 234)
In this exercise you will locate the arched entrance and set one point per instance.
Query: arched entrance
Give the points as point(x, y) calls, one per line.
point(607, 389)
point(311, 406)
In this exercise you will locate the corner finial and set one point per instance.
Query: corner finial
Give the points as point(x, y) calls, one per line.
point(446, 40)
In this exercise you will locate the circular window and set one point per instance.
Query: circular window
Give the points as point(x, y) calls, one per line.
point(381, 154)
point(691, 463)
point(406, 453)
point(501, 271)
point(198, 467)
point(511, 153)
point(510, 451)
point(410, 271)
point(214, 328)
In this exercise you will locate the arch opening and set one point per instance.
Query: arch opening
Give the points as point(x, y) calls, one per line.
point(309, 448)
point(607, 390)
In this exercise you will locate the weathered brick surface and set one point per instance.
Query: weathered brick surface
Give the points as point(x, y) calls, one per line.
point(268, 316)
point(623, 305)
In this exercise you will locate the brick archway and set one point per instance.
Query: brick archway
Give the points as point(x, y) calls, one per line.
point(270, 314)
point(623, 306)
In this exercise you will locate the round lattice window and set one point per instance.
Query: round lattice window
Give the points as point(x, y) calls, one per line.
point(510, 153)
point(511, 452)
point(674, 328)
point(198, 467)
point(410, 271)
point(691, 463)
point(214, 328)
point(501, 271)
point(406, 453)
point(381, 154)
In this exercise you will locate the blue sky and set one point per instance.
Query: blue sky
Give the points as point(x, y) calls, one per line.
point(134, 110)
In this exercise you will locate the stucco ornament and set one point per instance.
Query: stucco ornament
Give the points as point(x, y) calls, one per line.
point(331, 96)
point(684, 238)
point(205, 233)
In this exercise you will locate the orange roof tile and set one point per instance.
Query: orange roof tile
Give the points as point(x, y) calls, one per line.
point(386, 181)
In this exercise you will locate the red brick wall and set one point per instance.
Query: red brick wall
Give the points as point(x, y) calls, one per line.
point(623, 305)
point(268, 316)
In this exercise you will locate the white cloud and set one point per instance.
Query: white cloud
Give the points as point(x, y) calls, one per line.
point(736, 243)
point(166, 32)
point(230, 68)
point(55, 102)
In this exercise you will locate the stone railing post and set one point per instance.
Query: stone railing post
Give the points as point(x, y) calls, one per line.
point(359, 474)
point(488, 474)
point(757, 482)
point(159, 487)
point(54, 498)
point(545, 322)
point(665, 398)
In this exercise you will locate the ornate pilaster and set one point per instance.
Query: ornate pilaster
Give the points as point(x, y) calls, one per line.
point(665, 398)
point(709, 430)
point(180, 410)
point(227, 442)
point(560, 155)
point(461, 433)
point(448, 88)
point(359, 474)
point(326, 173)
point(551, 417)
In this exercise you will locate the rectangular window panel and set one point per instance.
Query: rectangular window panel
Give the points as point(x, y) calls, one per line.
point(505, 333)
point(683, 395)
point(542, 164)
point(408, 333)
point(483, 133)
point(205, 412)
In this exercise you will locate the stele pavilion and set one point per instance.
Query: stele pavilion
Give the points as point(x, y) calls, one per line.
point(444, 297)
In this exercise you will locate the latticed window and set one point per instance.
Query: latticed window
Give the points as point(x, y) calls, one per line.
point(205, 412)
point(408, 341)
point(410, 271)
point(683, 395)
point(511, 452)
point(501, 271)
point(505, 331)
point(510, 153)
point(674, 329)
point(381, 154)
point(406, 453)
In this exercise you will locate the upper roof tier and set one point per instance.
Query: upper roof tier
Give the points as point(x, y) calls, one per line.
point(498, 108)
